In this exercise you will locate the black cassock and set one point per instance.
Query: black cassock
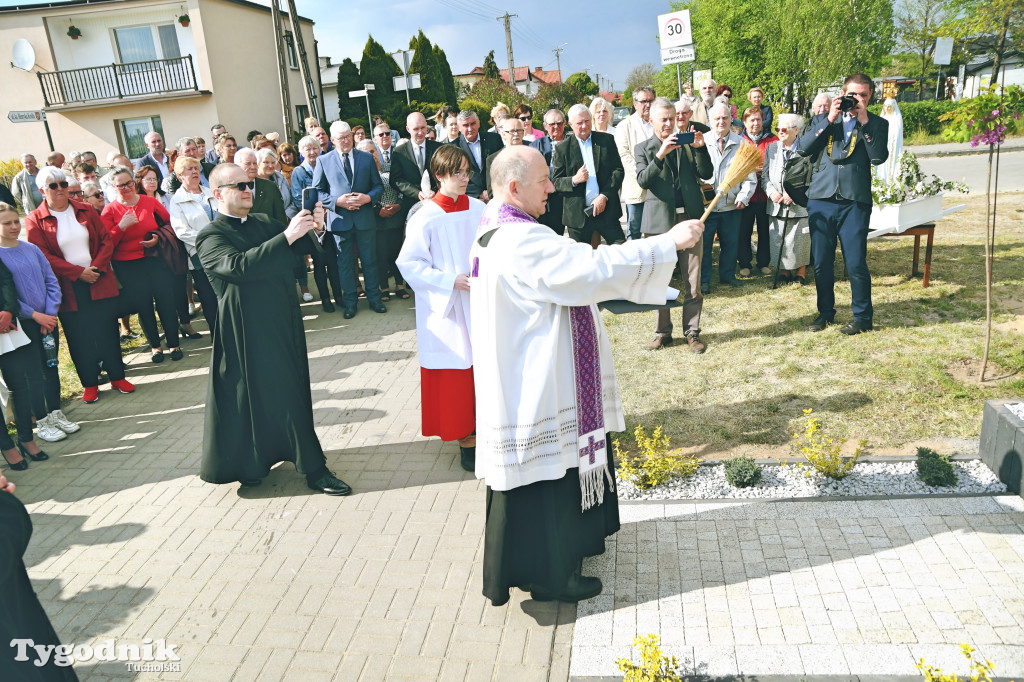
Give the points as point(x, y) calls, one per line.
point(259, 410)
point(21, 614)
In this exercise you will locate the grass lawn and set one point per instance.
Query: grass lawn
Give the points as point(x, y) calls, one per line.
point(908, 381)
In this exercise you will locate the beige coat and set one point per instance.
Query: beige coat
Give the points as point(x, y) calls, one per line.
point(628, 135)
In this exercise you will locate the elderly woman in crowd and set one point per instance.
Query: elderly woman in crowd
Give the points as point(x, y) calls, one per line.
point(435, 261)
point(93, 195)
point(390, 219)
point(601, 112)
point(192, 209)
point(148, 184)
point(226, 147)
point(497, 111)
point(37, 299)
point(78, 250)
point(266, 160)
point(133, 222)
point(19, 369)
point(287, 159)
point(788, 231)
point(525, 114)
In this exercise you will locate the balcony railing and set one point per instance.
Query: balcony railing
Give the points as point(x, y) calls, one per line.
point(119, 81)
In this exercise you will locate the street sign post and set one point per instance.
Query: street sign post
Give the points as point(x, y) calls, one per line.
point(34, 116)
point(407, 81)
point(365, 92)
point(676, 37)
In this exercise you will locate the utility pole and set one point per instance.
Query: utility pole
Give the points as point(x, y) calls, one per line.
point(506, 18)
point(558, 57)
point(597, 79)
point(282, 70)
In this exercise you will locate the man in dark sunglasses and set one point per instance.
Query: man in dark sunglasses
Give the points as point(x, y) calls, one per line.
point(260, 410)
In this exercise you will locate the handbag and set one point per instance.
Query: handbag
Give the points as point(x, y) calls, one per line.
point(796, 178)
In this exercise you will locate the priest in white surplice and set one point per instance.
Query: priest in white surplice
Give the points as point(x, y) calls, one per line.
point(435, 261)
point(546, 391)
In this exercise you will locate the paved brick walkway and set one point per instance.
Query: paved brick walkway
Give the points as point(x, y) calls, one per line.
point(279, 582)
point(811, 588)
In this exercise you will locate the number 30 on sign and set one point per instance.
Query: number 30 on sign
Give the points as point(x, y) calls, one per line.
point(674, 29)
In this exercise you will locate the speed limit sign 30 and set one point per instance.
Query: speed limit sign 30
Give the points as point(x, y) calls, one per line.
point(674, 29)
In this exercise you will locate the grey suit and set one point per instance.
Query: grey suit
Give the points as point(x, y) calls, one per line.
point(677, 176)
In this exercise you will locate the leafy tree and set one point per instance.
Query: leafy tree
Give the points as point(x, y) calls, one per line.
point(490, 92)
point(557, 96)
point(432, 87)
point(348, 80)
point(918, 24)
point(581, 81)
point(447, 80)
point(642, 76)
point(995, 27)
point(491, 71)
point(378, 67)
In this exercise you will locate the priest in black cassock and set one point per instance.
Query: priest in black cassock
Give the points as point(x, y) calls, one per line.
point(259, 410)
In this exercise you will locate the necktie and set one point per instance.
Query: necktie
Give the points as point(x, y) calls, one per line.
point(347, 168)
point(721, 145)
point(208, 209)
point(387, 156)
point(785, 156)
point(419, 158)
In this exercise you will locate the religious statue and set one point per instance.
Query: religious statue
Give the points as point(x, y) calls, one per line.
point(889, 171)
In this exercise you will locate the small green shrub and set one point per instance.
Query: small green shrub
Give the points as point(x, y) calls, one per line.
point(742, 472)
point(923, 116)
point(654, 464)
point(654, 665)
point(935, 469)
point(979, 669)
point(823, 452)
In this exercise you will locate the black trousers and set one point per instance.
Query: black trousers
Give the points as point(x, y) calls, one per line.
point(325, 269)
point(181, 292)
point(389, 244)
point(92, 337)
point(143, 280)
point(51, 375)
point(20, 369)
point(207, 297)
point(754, 213)
point(609, 229)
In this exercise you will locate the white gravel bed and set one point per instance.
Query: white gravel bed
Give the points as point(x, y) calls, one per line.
point(791, 480)
point(1017, 409)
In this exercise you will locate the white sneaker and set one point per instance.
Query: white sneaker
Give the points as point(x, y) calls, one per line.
point(766, 270)
point(48, 431)
point(58, 419)
point(307, 297)
point(744, 272)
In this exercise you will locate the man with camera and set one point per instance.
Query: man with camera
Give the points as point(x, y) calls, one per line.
point(670, 166)
point(843, 144)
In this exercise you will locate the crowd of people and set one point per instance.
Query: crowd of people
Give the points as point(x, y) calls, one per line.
point(502, 227)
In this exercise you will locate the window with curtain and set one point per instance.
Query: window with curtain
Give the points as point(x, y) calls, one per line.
point(132, 132)
point(135, 44)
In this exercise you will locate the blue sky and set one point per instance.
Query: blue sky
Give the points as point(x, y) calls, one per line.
point(608, 37)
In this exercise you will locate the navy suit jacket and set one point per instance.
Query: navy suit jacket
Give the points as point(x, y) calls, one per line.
point(489, 143)
point(148, 160)
point(846, 175)
point(330, 180)
point(543, 145)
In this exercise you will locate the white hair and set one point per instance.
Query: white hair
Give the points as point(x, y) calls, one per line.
point(88, 187)
point(599, 102)
point(793, 121)
point(662, 103)
point(242, 153)
point(366, 145)
point(722, 107)
point(708, 80)
point(262, 154)
point(73, 182)
point(467, 115)
point(48, 174)
point(682, 105)
point(308, 141)
point(820, 95)
point(577, 109)
point(339, 128)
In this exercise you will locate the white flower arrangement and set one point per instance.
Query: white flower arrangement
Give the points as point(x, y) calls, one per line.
point(910, 183)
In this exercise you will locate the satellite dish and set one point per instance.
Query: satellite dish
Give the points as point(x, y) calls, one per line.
point(23, 54)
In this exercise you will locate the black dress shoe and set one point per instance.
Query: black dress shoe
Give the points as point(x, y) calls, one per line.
point(40, 456)
point(856, 327)
point(176, 354)
point(705, 288)
point(819, 324)
point(349, 312)
point(578, 588)
point(378, 307)
point(328, 306)
point(468, 458)
point(250, 482)
point(328, 484)
point(17, 466)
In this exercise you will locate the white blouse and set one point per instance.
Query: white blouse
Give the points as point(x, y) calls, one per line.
point(72, 238)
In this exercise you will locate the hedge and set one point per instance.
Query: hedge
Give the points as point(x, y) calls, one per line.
point(920, 115)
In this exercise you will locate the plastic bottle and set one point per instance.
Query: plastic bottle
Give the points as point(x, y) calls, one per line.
point(50, 346)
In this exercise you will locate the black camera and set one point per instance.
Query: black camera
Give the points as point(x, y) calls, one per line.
point(848, 102)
